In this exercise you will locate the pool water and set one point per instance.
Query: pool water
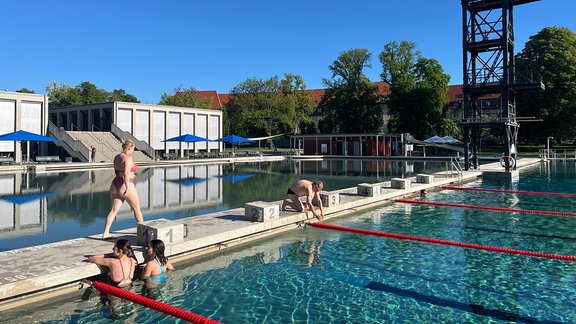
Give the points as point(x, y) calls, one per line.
point(50, 207)
point(315, 275)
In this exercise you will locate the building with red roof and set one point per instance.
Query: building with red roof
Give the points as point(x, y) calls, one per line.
point(490, 103)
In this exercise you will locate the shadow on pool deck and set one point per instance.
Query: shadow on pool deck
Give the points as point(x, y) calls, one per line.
point(37, 273)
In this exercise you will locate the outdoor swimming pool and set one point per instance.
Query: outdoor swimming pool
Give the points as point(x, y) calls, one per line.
point(49, 207)
point(314, 275)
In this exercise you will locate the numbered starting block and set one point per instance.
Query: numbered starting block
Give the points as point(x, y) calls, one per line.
point(400, 183)
point(166, 230)
point(260, 211)
point(368, 189)
point(424, 178)
point(329, 199)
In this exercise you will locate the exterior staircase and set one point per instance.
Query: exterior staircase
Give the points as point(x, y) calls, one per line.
point(107, 145)
point(78, 145)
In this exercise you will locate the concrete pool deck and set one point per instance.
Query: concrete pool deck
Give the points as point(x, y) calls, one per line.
point(41, 272)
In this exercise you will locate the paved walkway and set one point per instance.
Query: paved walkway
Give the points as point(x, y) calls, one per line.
point(36, 273)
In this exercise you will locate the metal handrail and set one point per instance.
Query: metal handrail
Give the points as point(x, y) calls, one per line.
point(557, 154)
point(455, 164)
point(140, 145)
point(76, 147)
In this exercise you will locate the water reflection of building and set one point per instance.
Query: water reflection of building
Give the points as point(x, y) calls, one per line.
point(24, 207)
point(161, 189)
point(356, 168)
point(24, 198)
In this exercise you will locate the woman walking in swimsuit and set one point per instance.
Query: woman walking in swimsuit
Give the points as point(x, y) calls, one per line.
point(122, 187)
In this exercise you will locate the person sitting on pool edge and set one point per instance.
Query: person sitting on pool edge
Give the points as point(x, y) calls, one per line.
point(306, 188)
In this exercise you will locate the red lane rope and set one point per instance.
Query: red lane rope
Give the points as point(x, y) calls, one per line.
point(561, 194)
point(445, 242)
point(154, 304)
point(502, 209)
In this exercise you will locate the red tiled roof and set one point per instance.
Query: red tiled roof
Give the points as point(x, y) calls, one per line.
point(210, 95)
point(383, 88)
point(219, 100)
point(317, 94)
point(454, 93)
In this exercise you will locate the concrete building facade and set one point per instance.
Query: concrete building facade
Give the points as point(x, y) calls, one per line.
point(22, 111)
point(150, 124)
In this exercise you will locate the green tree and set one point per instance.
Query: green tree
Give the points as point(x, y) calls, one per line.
point(418, 88)
point(90, 94)
point(63, 95)
point(121, 95)
point(25, 90)
point(307, 127)
point(268, 107)
point(351, 103)
point(185, 98)
point(552, 53)
point(298, 102)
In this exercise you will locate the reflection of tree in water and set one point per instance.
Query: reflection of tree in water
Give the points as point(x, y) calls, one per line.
point(254, 260)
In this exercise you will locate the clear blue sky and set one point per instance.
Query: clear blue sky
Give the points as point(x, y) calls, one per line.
point(151, 47)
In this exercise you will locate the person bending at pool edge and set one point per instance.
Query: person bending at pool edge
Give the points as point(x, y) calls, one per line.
point(306, 188)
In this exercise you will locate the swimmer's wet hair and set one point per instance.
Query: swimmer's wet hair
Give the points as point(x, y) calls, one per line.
point(318, 184)
point(126, 248)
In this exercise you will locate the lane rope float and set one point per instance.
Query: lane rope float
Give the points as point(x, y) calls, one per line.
point(153, 304)
point(501, 209)
point(520, 192)
point(446, 242)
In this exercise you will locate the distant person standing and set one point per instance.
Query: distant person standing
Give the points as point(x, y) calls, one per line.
point(93, 154)
point(122, 187)
point(306, 188)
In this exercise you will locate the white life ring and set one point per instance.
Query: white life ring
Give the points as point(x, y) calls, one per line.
point(511, 162)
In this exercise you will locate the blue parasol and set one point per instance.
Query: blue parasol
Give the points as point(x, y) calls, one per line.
point(24, 199)
point(234, 139)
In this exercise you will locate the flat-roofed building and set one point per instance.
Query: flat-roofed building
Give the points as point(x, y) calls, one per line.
point(23, 111)
point(149, 125)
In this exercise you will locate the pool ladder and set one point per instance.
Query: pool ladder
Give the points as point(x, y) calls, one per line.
point(454, 168)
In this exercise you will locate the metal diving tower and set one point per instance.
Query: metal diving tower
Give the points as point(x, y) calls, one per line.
point(489, 70)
